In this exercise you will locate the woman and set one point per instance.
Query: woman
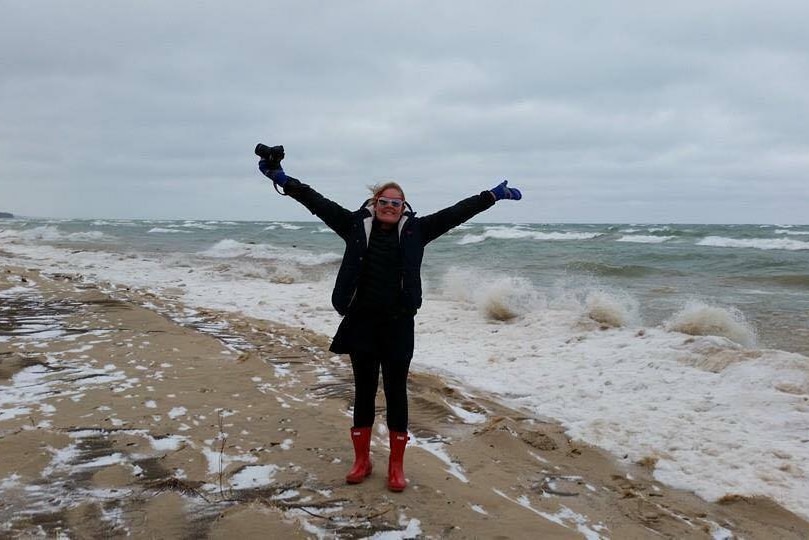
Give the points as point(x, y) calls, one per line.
point(378, 292)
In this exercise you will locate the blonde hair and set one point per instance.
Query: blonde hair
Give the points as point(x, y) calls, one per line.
point(377, 190)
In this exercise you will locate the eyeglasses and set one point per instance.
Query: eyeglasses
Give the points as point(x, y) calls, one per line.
point(383, 201)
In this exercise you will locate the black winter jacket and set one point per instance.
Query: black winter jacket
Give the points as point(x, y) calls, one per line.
point(355, 228)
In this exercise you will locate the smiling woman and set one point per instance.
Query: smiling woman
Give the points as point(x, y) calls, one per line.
point(389, 203)
point(378, 292)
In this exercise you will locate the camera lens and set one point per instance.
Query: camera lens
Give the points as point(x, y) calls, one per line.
point(270, 153)
point(263, 151)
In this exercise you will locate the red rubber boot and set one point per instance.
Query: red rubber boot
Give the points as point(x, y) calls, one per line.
point(396, 477)
point(361, 437)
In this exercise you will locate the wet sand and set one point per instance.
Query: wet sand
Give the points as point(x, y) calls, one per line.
point(126, 414)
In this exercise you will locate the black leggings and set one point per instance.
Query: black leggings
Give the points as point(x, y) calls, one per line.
point(366, 380)
point(380, 342)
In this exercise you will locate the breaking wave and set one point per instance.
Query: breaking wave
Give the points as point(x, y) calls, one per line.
point(500, 299)
point(700, 319)
point(611, 308)
point(504, 298)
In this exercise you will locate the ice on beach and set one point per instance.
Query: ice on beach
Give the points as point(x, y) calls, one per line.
point(479, 509)
point(17, 290)
point(219, 460)
point(167, 444)
point(7, 413)
point(30, 386)
point(253, 476)
point(564, 517)
point(102, 461)
point(468, 417)
point(438, 448)
point(47, 408)
point(411, 528)
point(62, 458)
point(177, 412)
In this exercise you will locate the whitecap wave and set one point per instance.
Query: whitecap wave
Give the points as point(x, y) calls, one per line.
point(161, 230)
point(516, 233)
point(791, 233)
point(113, 223)
point(644, 239)
point(197, 225)
point(754, 243)
point(281, 225)
point(51, 233)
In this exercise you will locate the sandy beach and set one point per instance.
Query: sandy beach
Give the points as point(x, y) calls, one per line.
point(127, 414)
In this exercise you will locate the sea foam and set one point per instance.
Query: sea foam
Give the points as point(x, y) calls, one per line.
point(226, 249)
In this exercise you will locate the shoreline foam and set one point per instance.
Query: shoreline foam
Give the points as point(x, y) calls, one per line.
point(140, 412)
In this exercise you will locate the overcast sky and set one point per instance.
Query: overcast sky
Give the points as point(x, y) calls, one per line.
point(687, 111)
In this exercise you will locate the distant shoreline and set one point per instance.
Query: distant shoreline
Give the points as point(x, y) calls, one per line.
point(6, 215)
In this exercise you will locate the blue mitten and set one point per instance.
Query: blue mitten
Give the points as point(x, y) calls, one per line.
point(273, 171)
point(501, 191)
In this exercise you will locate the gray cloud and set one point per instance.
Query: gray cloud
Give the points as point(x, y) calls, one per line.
point(632, 112)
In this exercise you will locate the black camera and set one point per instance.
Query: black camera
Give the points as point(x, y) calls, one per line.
point(270, 153)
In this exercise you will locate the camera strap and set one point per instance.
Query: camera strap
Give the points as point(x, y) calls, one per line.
point(278, 190)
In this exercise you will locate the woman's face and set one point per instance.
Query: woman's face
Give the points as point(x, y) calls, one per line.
point(386, 209)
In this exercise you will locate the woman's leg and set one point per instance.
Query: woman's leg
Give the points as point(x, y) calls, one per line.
point(394, 380)
point(366, 380)
point(395, 367)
